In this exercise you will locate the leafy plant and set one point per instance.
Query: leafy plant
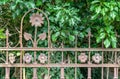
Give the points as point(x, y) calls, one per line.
point(106, 13)
point(2, 35)
point(108, 36)
point(63, 19)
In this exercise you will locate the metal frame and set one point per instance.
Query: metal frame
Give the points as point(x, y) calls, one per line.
point(86, 63)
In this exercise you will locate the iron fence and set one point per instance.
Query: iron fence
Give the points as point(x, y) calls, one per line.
point(83, 57)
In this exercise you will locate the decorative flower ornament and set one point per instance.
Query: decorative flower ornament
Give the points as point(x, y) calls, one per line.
point(97, 58)
point(27, 58)
point(42, 36)
point(27, 36)
point(82, 57)
point(36, 20)
point(42, 58)
point(11, 58)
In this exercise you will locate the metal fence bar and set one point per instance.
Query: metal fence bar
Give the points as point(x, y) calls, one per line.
point(59, 49)
point(102, 72)
point(76, 58)
point(7, 45)
point(89, 60)
point(62, 68)
point(59, 65)
point(115, 69)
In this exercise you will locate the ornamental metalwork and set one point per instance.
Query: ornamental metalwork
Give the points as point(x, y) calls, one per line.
point(97, 58)
point(89, 58)
point(83, 57)
point(27, 58)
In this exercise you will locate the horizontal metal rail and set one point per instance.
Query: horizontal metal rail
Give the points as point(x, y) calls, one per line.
point(59, 65)
point(59, 49)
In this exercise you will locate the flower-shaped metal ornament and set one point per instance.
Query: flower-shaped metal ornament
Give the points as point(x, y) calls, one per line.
point(42, 58)
point(42, 36)
point(27, 58)
point(83, 57)
point(27, 36)
point(11, 58)
point(36, 20)
point(97, 58)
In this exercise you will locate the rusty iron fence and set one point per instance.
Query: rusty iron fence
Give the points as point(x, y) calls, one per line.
point(83, 57)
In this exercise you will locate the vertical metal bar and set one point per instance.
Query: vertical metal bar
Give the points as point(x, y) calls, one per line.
point(7, 45)
point(102, 62)
point(49, 61)
point(115, 69)
point(107, 72)
point(49, 46)
point(21, 45)
point(108, 69)
point(76, 58)
point(89, 41)
point(62, 69)
point(35, 62)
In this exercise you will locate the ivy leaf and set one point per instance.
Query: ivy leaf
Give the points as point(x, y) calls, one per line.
point(114, 44)
point(94, 17)
point(102, 35)
point(98, 40)
point(114, 41)
point(98, 9)
point(71, 38)
point(113, 15)
point(95, 1)
point(54, 36)
point(63, 34)
point(2, 35)
point(38, 3)
point(107, 43)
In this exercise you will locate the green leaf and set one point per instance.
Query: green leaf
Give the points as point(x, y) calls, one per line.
point(98, 9)
point(112, 15)
point(114, 41)
point(95, 1)
point(107, 43)
point(54, 38)
point(3, 2)
point(94, 17)
point(39, 2)
point(12, 7)
point(108, 29)
point(113, 38)
point(114, 44)
point(75, 32)
point(102, 35)
point(63, 34)
point(57, 34)
point(81, 35)
point(98, 40)
point(71, 38)
point(18, 54)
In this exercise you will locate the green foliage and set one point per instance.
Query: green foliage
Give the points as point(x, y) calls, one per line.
point(108, 36)
point(106, 13)
point(63, 21)
point(68, 19)
point(2, 35)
